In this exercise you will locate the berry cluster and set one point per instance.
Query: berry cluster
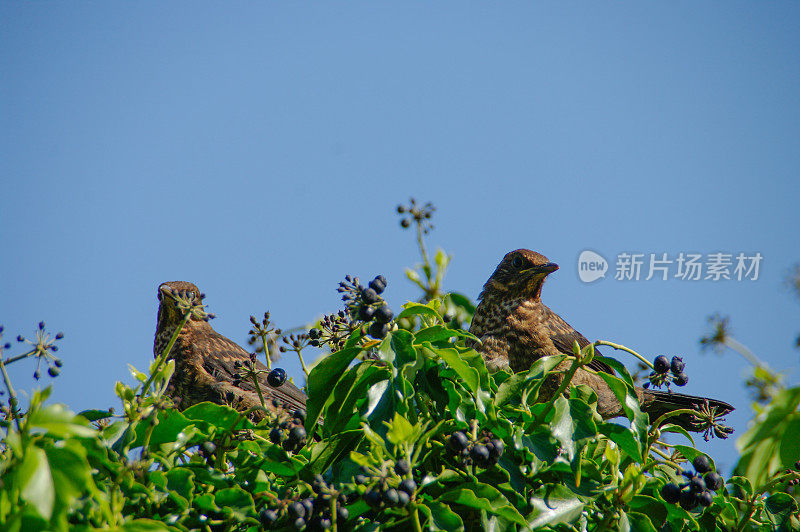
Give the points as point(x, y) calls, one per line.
point(366, 304)
point(384, 490)
point(290, 434)
point(483, 452)
point(268, 335)
point(334, 330)
point(310, 513)
point(42, 347)
point(416, 213)
point(662, 367)
point(699, 488)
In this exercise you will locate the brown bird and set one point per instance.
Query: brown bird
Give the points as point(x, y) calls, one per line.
point(516, 329)
point(205, 361)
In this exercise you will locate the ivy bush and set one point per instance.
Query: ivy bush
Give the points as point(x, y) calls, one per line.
point(407, 431)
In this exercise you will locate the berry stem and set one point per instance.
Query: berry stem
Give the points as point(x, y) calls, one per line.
point(627, 349)
point(254, 378)
point(415, 519)
point(12, 396)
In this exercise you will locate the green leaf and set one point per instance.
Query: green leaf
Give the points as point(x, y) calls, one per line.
point(553, 504)
point(322, 381)
point(483, 497)
point(58, 420)
point(514, 385)
point(234, 497)
point(401, 343)
point(561, 426)
point(441, 516)
point(180, 480)
point(415, 309)
point(690, 453)
point(324, 453)
point(35, 482)
point(468, 374)
point(624, 438)
point(351, 389)
point(95, 415)
point(436, 333)
point(779, 503)
point(222, 417)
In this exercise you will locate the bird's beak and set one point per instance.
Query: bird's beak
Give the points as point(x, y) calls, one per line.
point(550, 267)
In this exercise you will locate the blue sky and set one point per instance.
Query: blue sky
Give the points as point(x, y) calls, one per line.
point(259, 150)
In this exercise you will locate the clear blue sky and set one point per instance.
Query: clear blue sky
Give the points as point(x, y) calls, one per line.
point(259, 149)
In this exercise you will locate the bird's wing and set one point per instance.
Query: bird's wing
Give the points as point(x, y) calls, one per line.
point(221, 355)
point(564, 336)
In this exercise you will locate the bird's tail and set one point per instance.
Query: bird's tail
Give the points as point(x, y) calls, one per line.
point(657, 403)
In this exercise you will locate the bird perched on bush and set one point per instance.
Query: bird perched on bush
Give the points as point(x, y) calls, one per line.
point(515, 329)
point(209, 366)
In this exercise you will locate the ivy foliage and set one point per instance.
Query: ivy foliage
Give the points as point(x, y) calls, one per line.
point(407, 432)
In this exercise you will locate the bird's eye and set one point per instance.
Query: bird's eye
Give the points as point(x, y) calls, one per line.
point(517, 262)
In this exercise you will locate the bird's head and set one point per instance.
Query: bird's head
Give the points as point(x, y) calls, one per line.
point(176, 298)
point(520, 274)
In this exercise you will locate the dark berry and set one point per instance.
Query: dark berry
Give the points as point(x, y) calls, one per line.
point(53, 371)
point(402, 499)
point(378, 284)
point(402, 467)
point(296, 509)
point(480, 454)
point(299, 523)
point(677, 365)
point(299, 415)
point(688, 500)
point(365, 313)
point(408, 486)
point(267, 517)
point(681, 379)
point(319, 484)
point(372, 498)
point(713, 481)
point(297, 433)
point(378, 330)
point(276, 435)
point(369, 296)
point(701, 464)
point(697, 484)
point(57, 363)
point(496, 450)
point(661, 364)
point(276, 377)
point(59, 336)
point(404, 223)
point(324, 523)
point(342, 514)
point(308, 504)
point(671, 493)
point(705, 498)
point(36, 374)
point(458, 441)
point(41, 325)
point(390, 497)
point(384, 314)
